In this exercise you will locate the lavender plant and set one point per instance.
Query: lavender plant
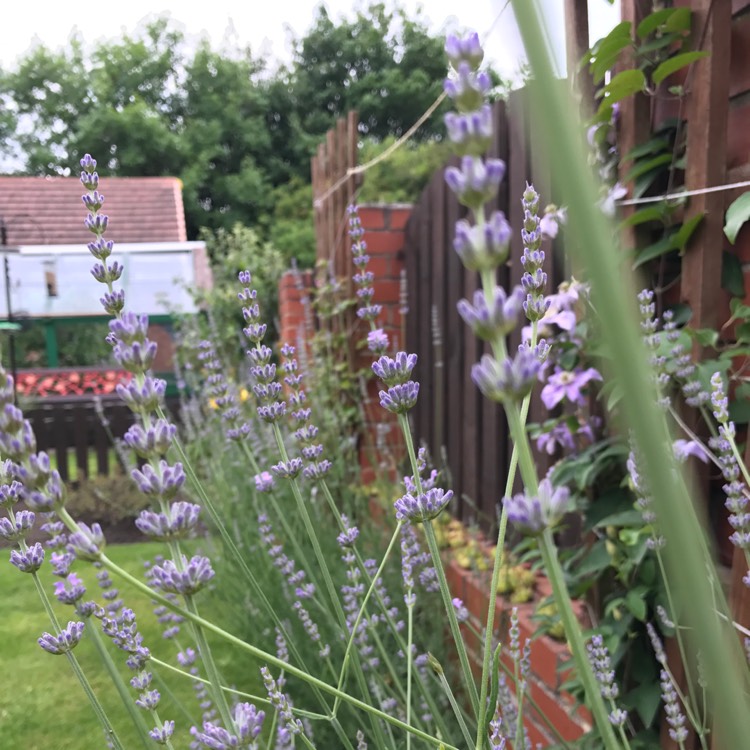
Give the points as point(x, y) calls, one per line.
point(327, 625)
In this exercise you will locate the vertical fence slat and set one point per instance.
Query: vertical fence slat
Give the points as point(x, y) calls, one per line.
point(437, 316)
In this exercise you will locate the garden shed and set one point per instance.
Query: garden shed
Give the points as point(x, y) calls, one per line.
point(48, 268)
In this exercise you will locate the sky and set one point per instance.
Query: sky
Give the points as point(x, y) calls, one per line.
point(267, 25)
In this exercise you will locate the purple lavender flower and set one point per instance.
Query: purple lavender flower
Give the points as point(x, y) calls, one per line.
point(288, 469)
point(400, 398)
point(18, 528)
point(422, 507)
point(471, 132)
point(467, 48)
point(188, 578)
point(489, 323)
point(28, 560)
point(532, 514)
point(462, 614)
point(510, 380)
point(567, 384)
point(600, 662)
point(475, 182)
point(161, 735)
point(675, 718)
point(264, 481)
point(147, 396)
point(395, 371)
point(685, 448)
point(377, 341)
point(164, 481)
point(152, 442)
point(65, 641)
point(70, 591)
point(468, 88)
point(483, 247)
point(177, 522)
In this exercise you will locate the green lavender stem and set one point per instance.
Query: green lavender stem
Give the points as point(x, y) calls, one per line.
point(76, 667)
point(437, 561)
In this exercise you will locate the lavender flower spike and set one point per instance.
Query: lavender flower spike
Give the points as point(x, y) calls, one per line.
point(189, 578)
point(66, 641)
point(400, 398)
point(533, 514)
point(395, 371)
point(511, 379)
point(423, 507)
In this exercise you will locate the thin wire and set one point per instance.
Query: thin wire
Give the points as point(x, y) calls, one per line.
point(683, 194)
point(362, 168)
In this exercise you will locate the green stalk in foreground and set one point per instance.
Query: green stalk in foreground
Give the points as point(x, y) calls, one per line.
point(613, 295)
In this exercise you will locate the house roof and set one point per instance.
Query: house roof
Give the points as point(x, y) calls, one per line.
point(49, 211)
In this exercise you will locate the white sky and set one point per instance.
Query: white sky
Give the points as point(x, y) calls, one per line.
point(264, 24)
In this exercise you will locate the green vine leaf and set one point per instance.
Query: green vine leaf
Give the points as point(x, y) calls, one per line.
point(737, 214)
point(644, 215)
point(732, 276)
point(604, 54)
point(685, 232)
point(652, 22)
point(646, 166)
point(662, 247)
point(623, 85)
point(679, 20)
point(676, 63)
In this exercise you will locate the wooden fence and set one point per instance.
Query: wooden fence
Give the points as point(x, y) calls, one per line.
point(77, 433)
point(452, 417)
point(334, 184)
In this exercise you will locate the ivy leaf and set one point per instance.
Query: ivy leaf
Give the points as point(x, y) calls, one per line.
point(732, 276)
point(623, 85)
point(652, 22)
point(685, 232)
point(651, 146)
point(658, 43)
point(604, 54)
point(662, 247)
point(737, 214)
point(635, 602)
point(679, 20)
point(676, 63)
point(646, 166)
point(644, 215)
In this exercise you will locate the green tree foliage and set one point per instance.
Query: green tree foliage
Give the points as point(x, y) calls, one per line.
point(382, 63)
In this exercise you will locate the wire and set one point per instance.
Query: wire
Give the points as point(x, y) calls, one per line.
point(683, 194)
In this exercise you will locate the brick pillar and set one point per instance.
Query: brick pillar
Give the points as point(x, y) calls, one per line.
point(384, 234)
point(294, 290)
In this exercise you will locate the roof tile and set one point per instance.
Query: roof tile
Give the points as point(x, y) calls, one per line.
point(48, 210)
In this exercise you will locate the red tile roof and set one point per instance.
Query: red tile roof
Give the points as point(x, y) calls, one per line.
point(49, 211)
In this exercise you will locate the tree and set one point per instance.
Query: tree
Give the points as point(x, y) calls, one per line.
point(384, 64)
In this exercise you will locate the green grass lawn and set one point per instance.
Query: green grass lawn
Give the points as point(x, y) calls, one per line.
point(42, 706)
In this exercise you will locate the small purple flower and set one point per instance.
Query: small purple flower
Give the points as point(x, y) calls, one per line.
point(550, 223)
point(164, 482)
point(264, 481)
point(512, 379)
point(18, 528)
point(685, 448)
point(467, 48)
point(475, 181)
point(161, 735)
point(187, 579)
point(483, 247)
point(29, 560)
point(155, 441)
point(66, 641)
point(600, 662)
point(470, 132)
point(87, 543)
point(148, 396)
point(675, 718)
point(288, 469)
point(177, 522)
point(397, 370)
point(10, 494)
point(568, 384)
point(69, 591)
point(533, 514)
point(497, 320)
point(719, 400)
point(400, 398)
point(377, 341)
point(423, 507)
point(462, 614)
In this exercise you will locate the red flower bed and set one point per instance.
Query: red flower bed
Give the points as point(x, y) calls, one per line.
point(69, 382)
